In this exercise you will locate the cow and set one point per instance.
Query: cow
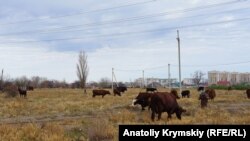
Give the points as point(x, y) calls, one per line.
point(248, 93)
point(100, 92)
point(185, 93)
point(204, 99)
point(142, 99)
point(200, 88)
point(30, 88)
point(22, 91)
point(151, 89)
point(119, 90)
point(211, 93)
point(122, 88)
point(116, 92)
point(174, 93)
point(165, 102)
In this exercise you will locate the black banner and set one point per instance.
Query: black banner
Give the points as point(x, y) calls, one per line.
point(181, 132)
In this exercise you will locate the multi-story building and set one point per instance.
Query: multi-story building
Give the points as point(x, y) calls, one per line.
point(161, 81)
point(223, 77)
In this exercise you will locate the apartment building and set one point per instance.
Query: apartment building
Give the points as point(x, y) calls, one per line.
point(227, 78)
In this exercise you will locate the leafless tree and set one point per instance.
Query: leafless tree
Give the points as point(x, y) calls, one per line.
point(82, 69)
point(198, 76)
point(22, 81)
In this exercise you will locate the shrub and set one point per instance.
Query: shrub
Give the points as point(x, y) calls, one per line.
point(11, 91)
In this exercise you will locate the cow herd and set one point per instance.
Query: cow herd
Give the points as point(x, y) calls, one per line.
point(116, 91)
point(159, 102)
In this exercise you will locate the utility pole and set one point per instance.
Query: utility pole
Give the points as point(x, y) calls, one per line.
point(143, 78)
point(169, 83)
point(112, 79)
point(179, 57)
point(2, 76)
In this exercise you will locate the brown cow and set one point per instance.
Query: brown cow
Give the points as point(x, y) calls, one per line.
point(165, 102)
point(142, 99)
point(248, 93)
point(211, 93)
point(100, 92)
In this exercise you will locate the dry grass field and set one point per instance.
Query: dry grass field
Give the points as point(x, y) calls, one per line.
point(68, 114)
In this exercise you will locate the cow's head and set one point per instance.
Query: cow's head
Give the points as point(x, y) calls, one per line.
point(179, 111)
point(174, 92)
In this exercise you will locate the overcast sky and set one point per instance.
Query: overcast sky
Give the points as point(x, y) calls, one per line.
point(43, 38)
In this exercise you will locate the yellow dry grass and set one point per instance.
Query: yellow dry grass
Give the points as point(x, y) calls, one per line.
point(69, 114)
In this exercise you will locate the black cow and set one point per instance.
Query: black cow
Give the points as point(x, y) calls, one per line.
point(248, 93)
point(229, 88)
point(122, 89)
point(142, 99)
point(151, 89)
point(30, 88)
point(201, 88)
point(116, 92)
point(22, 91)
point(165, 102)
point(119, 90)
point(185, 93)
point(100, 92)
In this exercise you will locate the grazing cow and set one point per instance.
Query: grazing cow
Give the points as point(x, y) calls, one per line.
point(119, 90)
point(151, 89)
point(142, 99)
point(204, 99)
point(229, 88)
point(174, 93)
point(185, 93)
point(22, 91)
point(211, 93)
point(30, 88)
point(122, 88)
point(200, 88)
point(165, 102)
point(116, 92)
point(248, 93)
point(100, 92)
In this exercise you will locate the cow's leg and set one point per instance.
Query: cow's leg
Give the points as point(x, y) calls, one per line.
point(169, 115)
point(142, 108)
point(159, 115)
point(153, 116)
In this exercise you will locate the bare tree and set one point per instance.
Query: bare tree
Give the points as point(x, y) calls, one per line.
point(82, 69)
point(22, 81)
point(198, 76)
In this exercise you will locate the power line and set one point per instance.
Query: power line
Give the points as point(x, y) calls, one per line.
point(165, 66)
point(131, 18)
point(135, 32)
point(149, 22)
point(235, 63)
point(80, 13)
